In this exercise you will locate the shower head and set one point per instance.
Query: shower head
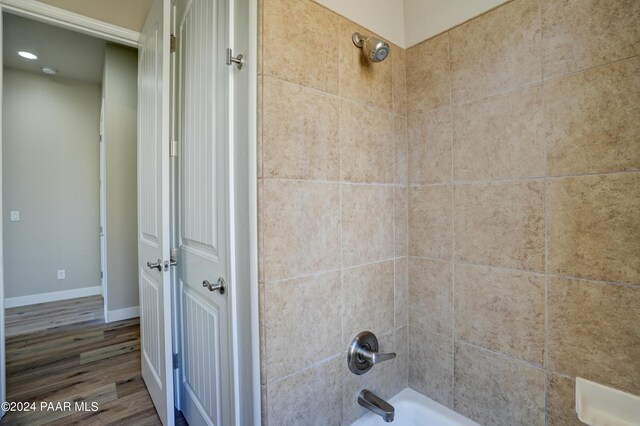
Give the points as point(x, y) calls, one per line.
point(375, 49)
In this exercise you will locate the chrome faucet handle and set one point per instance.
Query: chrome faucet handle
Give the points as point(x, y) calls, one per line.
point(363, 353)
point(375, 357)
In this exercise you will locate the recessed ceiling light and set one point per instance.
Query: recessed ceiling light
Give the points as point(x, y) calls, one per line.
point(48, 69)
point(27, 55)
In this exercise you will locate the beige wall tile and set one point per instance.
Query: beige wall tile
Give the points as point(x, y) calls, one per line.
point(401, 292)
point(430, 295)
point(301, 228)
point(496, 52)
point(501, 310)
point(311, 397)
point(561, 401)
point(300, 43)
point(361, 79)
point(594, 333)
point(593, 227)
point(301, 138)
point(400, 142)
point(401, 206)
point(399, 79)
point(501, 224)
point(428, 82)
point(430, 221)
point(302, 307)
point(500, 137)
point(430, 147)
point(579, 34)
point(367, 219)
point(431, 365)
point(591, 120)
point(377, 380)
point(496, 390)
point(366, 143)
point(368, 300)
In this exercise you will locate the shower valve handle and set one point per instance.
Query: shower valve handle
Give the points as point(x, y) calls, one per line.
point(363, 353)
point(375, 357)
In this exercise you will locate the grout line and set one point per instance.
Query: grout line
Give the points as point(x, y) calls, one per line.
point(394, 208)
point(544, 274)
point(307, 368)
point(455, 182)
point(333, 182)
point(453, 231)
point(572, 73)
point(504, 355)
point(340, 189)
point(336, 96)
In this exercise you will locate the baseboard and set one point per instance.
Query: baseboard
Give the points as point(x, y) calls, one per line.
point(122, 314)
point(34, 299)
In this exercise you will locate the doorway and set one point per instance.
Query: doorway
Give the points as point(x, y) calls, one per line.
point(241, 193)
point(69, 184)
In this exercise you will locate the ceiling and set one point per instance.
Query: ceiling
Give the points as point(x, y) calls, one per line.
point(129, 14)
point(76, 56)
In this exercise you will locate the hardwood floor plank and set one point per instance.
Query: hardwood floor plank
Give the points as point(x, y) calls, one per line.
point(110, 351)
point(44, 316)
point(64, 352)
point(101, 395)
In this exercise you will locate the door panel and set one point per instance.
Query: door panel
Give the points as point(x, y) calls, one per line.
point(153, 210)
point(203, 208)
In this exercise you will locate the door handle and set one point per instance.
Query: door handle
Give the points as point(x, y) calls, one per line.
point(217, 286)
point(157, 265)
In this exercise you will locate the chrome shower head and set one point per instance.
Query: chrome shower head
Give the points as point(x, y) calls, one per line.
point(375, 49)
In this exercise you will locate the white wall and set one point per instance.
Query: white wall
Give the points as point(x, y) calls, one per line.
point(425, 18)
point(50, 174)
point(384, 17)
point(408, 22)
point(120, 136)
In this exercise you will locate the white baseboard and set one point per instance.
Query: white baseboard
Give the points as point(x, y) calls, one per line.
point(14, 302)
point(122, 314)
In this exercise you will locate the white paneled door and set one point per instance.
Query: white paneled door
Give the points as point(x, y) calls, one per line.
point(202, 115)
point(153, 210)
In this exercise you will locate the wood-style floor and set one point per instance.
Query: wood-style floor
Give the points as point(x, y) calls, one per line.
point(64, 352)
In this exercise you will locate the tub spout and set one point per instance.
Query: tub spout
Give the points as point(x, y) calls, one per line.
point(372, 402)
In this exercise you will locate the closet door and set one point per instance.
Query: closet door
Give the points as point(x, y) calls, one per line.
point(204, 229)
point(153, 210)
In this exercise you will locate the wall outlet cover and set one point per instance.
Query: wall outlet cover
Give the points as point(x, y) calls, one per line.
point(15, 216)
point(62, 274)
point(599, 405)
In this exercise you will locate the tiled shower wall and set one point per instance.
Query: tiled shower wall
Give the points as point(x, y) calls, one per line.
point(332, 213)
point(524, 209)
point(521, 218)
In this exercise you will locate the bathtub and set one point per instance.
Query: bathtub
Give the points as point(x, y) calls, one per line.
point(414, 409)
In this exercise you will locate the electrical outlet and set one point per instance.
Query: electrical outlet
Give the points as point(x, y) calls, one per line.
point(62, 274)
point(15, 216)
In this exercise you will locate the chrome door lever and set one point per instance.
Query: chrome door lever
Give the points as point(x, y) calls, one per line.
point(219, 286)
point(157, 265)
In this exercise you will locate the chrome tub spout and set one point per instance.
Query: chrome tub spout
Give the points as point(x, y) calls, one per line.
point(372, 402)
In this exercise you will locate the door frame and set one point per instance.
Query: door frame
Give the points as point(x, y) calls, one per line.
point(246, 178)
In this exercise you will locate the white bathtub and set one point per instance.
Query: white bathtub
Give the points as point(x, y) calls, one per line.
point(414, 409)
